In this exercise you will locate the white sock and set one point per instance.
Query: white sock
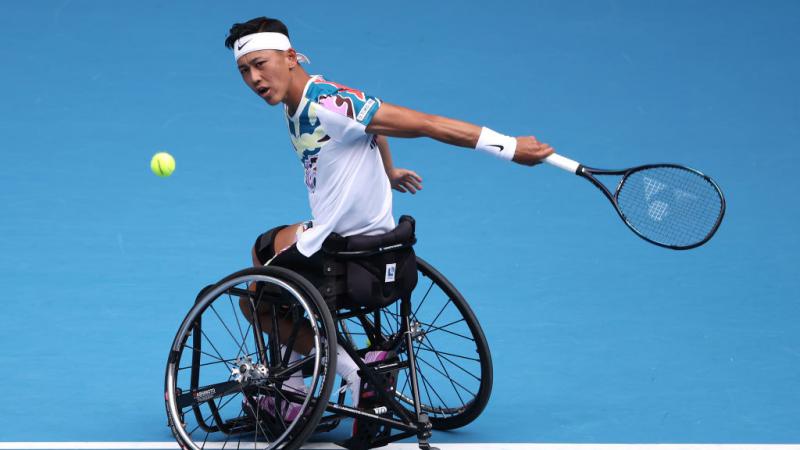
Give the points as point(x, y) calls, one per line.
point(347, 369)
point(295, 381)
point(345, 366)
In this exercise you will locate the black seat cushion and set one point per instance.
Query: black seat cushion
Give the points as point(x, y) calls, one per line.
point(387, 273)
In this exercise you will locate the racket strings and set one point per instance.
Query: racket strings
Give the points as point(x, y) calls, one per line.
point(670, 205)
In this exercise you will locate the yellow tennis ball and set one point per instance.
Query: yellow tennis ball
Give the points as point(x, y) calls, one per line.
point(162, 164)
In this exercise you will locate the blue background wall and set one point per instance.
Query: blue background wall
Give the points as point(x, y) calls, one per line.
point(597, 336)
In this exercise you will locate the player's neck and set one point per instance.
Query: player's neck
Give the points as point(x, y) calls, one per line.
point(296, 87)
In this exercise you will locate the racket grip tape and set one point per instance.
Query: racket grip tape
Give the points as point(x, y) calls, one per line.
point(563, 163)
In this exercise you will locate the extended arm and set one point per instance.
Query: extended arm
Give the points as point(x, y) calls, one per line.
point(397, 121)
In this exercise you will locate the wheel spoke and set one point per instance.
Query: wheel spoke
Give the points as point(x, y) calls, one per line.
point(438, 315)
point(405, 382)
point(440, 357)
point(430, 349)
point(222, 322)
point(238, 324)
point(227, 361)
point(219, 359)
point(205, 439)
point(435, 329)
point(425, 297)
point(212, 345)
point(445, 375)
point(427, 383)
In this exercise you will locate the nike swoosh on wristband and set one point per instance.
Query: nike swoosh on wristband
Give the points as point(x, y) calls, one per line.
point(239, 47)
point(495, 145)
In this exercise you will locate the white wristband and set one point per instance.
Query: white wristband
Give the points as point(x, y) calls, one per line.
point(496, 144)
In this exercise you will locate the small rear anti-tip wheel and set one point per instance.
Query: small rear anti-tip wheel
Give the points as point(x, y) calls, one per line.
point(238, 372)
point(454, 365)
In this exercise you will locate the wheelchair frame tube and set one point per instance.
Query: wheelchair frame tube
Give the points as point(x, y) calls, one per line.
point(357, 413)
point(380, 387)
point(405, 312)
point(194, 381)
point(409, 426)
point(257, 332)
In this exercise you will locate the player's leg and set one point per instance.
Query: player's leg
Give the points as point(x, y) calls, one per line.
point(273, 241)
point(265, 248)
point(277, 240)
point(286, 237)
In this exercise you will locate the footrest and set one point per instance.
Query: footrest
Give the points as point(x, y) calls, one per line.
point(327, 424)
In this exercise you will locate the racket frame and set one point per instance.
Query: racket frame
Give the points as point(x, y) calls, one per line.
point(590, 172)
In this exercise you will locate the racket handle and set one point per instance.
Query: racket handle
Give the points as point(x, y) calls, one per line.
point(563, 163)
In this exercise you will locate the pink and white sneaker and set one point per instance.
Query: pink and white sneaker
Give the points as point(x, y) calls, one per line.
point(266, 404)
point(354, 383)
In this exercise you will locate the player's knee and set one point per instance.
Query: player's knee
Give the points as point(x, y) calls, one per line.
point(264, 247)
point(256, 261)
point(285, 237)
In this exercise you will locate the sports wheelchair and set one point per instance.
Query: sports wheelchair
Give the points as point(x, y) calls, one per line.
point(227, 370)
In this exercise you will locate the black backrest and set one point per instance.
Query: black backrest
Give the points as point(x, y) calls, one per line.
point(371, 271)
point(363, 245)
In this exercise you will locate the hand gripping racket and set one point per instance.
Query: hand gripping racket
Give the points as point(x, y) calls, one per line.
point(669, 205)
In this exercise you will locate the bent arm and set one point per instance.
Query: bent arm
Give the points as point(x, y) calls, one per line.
point(386, 154)
point(403, 180)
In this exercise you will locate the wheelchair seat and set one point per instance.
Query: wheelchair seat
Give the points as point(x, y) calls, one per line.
point(369, 271)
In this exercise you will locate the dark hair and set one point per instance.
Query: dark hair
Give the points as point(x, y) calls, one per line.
point(257, 25)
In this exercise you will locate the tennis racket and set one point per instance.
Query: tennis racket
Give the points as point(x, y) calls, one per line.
point(669, 205)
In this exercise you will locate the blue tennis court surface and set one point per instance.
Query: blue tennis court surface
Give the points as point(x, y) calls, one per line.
point(597, 337)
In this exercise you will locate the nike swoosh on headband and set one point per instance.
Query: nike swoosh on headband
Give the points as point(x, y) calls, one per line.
point(243, 44)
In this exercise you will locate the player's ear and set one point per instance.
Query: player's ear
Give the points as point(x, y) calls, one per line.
point(291, 58)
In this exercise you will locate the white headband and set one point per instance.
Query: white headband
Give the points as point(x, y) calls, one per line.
point(264, 41)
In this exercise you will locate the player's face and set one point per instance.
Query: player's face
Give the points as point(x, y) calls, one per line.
point(267, 73)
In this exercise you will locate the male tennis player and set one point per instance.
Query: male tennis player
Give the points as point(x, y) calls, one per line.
point(337, 133)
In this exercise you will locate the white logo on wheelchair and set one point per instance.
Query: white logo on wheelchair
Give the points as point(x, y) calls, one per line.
point(202, 396)
point(390, 270)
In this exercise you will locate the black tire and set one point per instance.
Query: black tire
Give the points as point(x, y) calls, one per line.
point(204, 406)
point(459, 347)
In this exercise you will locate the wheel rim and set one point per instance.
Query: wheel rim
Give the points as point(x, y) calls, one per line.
point(452, 372)
point(227, 341)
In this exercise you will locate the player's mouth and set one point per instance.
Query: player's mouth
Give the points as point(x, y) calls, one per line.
point(262, 91)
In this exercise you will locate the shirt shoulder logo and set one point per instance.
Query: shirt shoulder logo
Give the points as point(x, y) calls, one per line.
point(365, 109)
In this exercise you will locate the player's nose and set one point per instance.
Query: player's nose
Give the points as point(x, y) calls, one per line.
point(255, 78)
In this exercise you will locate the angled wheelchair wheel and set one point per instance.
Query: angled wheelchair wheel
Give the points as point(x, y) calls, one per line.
point(454, 365)
point(228, 372)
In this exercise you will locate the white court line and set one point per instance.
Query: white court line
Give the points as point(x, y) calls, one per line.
point(405, 446)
